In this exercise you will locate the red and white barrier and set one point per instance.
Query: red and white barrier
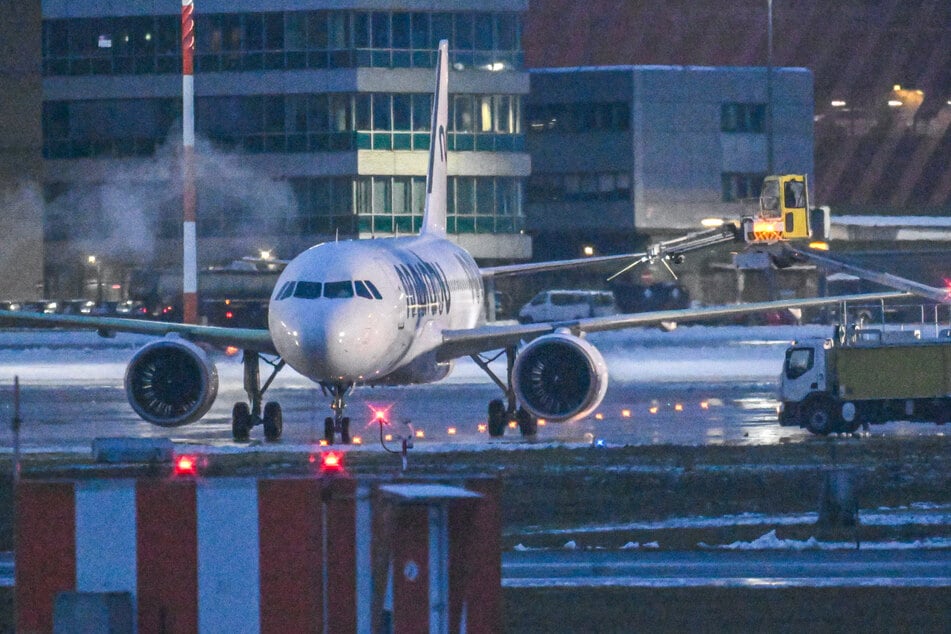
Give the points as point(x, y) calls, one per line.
point(269, 554)
point(205, 555)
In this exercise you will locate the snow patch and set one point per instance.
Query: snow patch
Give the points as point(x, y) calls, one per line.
point(770, 541)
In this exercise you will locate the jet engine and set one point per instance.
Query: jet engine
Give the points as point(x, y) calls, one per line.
point(559, 377)
point(171, 382)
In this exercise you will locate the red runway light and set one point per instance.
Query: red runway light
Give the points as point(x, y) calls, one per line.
point(186, 465)
point(331, 462)
point(379, 415)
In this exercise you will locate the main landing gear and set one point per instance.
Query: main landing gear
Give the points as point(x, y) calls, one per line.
point(245, 416)
point(502, 412)
point(338, 422)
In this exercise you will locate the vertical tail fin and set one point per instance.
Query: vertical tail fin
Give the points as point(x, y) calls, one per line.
point(434, 215)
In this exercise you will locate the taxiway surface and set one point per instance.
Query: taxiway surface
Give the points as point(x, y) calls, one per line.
point(697, 385)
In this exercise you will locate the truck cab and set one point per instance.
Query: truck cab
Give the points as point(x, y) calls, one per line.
point(784, 212)
point(804, 373)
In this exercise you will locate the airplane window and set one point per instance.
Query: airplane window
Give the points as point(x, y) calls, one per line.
point(307, 290)
point(286, 291)
point(338, 290)
point(373, 289)
point(362, 290)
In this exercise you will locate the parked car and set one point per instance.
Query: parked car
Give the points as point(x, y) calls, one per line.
point(639, 298)
point(565, 304)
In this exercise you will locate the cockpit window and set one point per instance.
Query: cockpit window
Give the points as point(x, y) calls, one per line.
point(362, 290)
point(286, 291)
point(343, 289)
point(372, 287)
point(338, 290)
point(307, 290)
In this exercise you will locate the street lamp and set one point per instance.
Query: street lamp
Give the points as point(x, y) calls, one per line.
point(94, 261)
point(769, 86)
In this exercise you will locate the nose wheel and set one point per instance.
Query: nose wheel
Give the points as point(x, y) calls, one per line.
point(338, 423)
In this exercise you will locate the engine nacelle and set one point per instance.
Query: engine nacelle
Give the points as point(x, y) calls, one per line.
point(171, 382)
point(560, 377)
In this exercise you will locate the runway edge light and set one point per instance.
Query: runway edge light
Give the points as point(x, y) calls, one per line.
point(186, 465)
point(331, 462)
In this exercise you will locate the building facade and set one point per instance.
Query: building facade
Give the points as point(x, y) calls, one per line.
point(624, 153)
point(312, 119)
point(882, 81)
point(21, 158)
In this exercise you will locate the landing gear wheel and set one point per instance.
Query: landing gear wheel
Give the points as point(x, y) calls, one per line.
point(527, 424)
point(496, 418)
point(273, 421)
point(345, 430)
point(329, 430)
point(241, 422)
point(819, 413)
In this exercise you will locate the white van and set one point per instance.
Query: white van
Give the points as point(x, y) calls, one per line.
point(565, 305)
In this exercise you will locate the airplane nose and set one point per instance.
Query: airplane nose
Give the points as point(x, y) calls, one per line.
point(330, 341)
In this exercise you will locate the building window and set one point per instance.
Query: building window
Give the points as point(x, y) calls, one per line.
point(585, 117)
point(281, 123)
point(582, 187)
point(282, 40)
point(741, 186)
point(394, 204)
point(742, 117)
point(106, 127)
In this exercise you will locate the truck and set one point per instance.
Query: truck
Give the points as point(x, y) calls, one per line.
point(785, 213)
point(840, 383)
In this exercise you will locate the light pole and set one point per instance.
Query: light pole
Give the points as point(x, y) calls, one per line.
point(769, 86)
point(94, 261)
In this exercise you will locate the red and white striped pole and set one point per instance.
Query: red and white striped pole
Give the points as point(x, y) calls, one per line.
point(189, 239)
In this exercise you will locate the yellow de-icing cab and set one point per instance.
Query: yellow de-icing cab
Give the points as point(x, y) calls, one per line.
point(783, 210)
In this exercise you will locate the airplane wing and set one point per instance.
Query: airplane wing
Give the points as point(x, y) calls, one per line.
point(459, 343)
point(257, 340)
point(940, 295)
point(539, 267)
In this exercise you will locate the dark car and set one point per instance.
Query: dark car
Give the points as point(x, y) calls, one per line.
point(638, 298)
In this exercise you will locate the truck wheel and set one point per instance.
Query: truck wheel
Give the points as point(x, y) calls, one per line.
point(819, 414)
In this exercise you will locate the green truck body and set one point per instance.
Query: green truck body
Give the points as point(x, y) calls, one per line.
point(894, 371)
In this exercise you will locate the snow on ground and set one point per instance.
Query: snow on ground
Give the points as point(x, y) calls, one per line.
point(893, 221)
point(770, 541)
point(924, 513)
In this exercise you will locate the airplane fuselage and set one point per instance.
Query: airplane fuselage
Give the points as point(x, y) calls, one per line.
point(373, 311)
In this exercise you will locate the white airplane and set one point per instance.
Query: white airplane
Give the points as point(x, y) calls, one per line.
point(391, 311)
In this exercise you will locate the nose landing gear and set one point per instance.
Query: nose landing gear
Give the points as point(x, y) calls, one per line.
point(338, 422)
